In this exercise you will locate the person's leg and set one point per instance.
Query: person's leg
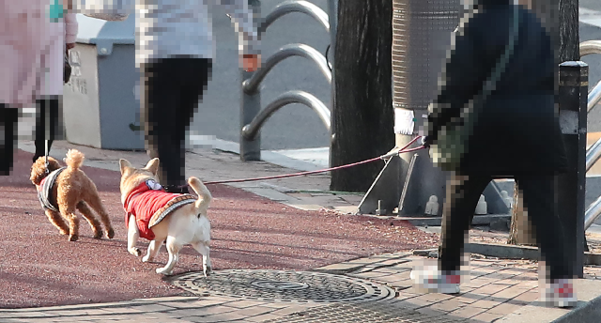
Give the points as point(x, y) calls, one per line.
point(160, 101)
point(9, 118)
point(462, 197)
point(196, 75)
point(47, 115)
point(540, 200)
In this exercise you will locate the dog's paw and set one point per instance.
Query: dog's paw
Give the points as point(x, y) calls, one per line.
point(73, 237)
point(135, 251)
point(163, 271)
point(146, 259)
point(98, 235)
point(208, 271)
point(63, 232)
point(110, 233)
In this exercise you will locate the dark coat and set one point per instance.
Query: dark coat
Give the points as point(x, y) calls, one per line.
point(518, 129)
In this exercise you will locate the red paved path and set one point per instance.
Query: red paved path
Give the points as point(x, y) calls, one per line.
point(41, 268)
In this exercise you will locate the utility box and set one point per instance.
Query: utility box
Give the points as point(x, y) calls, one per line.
point(101, 103)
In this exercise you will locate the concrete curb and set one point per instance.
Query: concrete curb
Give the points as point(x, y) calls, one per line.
point(590, 312)
point(134, 302)
point(520, 252)
point(436, 221)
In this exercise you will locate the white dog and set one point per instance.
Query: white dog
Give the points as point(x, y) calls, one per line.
point(153, 214)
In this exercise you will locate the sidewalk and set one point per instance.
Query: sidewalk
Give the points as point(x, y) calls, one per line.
point(371, 289)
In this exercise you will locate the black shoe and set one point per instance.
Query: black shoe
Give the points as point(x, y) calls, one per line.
point(177, 189)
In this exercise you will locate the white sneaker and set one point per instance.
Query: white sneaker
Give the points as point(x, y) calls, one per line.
point(434, 281)
point(559, 293)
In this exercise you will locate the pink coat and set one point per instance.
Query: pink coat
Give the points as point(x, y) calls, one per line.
point(31, 51)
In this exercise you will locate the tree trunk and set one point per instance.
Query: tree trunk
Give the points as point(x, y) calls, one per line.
point(521, 231)
point(362, 116)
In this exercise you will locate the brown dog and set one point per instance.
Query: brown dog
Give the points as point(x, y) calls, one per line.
point(61, 190)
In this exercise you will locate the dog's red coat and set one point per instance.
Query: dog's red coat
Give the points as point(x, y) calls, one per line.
point(143, 202)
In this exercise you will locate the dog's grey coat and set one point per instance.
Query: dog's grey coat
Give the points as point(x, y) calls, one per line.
point(46, 188)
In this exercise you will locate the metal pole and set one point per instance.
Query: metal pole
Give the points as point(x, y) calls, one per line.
point(573, 93)
point(250, 150)
point(333, 19)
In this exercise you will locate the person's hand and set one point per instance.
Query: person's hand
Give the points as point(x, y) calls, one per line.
point(251, 63)
point(427, 141)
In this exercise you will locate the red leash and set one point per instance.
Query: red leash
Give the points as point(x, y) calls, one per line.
point(400, 151)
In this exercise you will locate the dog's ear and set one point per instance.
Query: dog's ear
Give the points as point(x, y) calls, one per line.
point(124, 165)
point(153, 166)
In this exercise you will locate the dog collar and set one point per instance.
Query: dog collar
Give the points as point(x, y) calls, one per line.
point(148, 185)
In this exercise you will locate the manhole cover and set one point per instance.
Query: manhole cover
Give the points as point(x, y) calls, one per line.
point(274, 285)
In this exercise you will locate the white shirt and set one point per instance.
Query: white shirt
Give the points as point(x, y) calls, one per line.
point(167, 28)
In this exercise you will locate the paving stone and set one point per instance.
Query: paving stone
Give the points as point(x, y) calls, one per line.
point(152, 308)
point(405, 296)
point(208, 310)
point(479, 282)
point(527, 297)
point(487, 317)
point(401, 284)
point(467, 312)
point(277, 305)
point(263, 318)
point(244, 303)
point(370, 274)
point(122, 310)
point(485, 303)
point(417, 302)
point(435, 297)
point(392, 278)
point(508, 282)
point(184, 304)
point(255, 311)
point(340, 268)
point(490, 289)
point(469, 298)
point(394, 262)
point(504, 309)
point(511, 292)
point(448, 305)
point(499, 275)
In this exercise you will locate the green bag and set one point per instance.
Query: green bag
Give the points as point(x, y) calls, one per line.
point(56, 11)
point(453, 137)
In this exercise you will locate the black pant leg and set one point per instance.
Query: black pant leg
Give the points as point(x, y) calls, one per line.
point(9, 118)
point(462, 197)
point(172, 90)
point(540, 201)
point(47, 115)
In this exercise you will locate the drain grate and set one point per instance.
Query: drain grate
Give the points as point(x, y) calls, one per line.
point(290, 286)
point(372, 312)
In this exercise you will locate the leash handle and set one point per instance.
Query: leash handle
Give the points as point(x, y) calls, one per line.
point(46, 135)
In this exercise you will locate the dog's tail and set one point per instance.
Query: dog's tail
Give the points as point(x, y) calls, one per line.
point(204, 196)
point(74, 159)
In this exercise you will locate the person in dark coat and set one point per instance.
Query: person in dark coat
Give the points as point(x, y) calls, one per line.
point(516, 135)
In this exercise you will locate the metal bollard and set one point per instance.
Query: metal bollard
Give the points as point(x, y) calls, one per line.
point(573, 94)
point(250, 150)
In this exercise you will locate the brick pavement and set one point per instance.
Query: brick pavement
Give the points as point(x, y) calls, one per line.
point(496, 288)
point(496, 291)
